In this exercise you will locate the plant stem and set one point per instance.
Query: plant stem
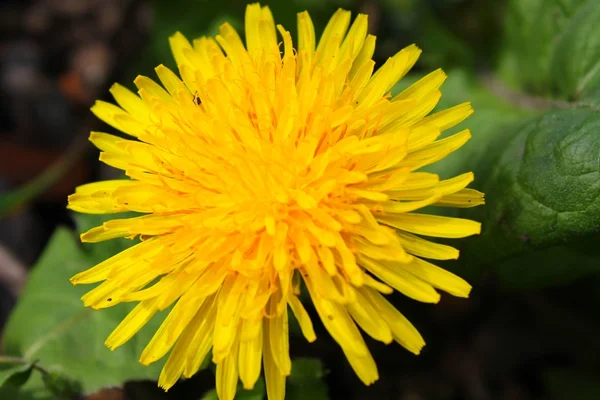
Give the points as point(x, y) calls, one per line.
point(12, 360)
point(44, 180)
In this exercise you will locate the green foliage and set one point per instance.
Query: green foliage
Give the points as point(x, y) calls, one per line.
point(51, 325)
point(576, 63)
point(33, 389)
point(20, 380)
point(543, 212)
point(14, 375)
point(60, 386)
point(551, 46)
point(538, 168)
point(306, 381)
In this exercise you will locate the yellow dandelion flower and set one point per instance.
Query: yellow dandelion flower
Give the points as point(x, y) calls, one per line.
point(267, 165)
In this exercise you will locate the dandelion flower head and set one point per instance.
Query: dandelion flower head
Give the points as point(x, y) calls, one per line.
point(265, 169)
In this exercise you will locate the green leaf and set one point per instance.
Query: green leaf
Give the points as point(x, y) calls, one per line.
point(551, 46)
point(33, 389)
point(576, 61)
point(15, 383)
point(51, 325)
point(19, 378)
point(61, 386)
point(539, 172)
point(542, 217)
point(306, 380)
point(14, 375)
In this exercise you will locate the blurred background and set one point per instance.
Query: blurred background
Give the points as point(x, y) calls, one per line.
point(58, 56)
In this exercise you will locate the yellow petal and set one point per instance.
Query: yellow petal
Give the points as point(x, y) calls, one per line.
point(437, 277)
point(368, 319)
point(172, 327)
point(450, 117)
point(387, 76)
point(274, 379)
point(108, 143)
point(227, 376)
point(200, 345)
point(179, 44)
point(332, 35)
point(279, 338)
point(129, 256)
point(338, 323)
point(424, 248)
point(187, 346)
point(133, 322)
point(436, 151)
point(356, 36)
point(151, 88)
point(118, 118)
point(250, 354)
point(169, 80)
point(464, 198)
point(306, 35)
point(364, 366)
point(404, 332)
point(423, 86)
point(364, 57)
point(303, 318)
point(131, 103)
point(401, 280)
point(432, 225)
